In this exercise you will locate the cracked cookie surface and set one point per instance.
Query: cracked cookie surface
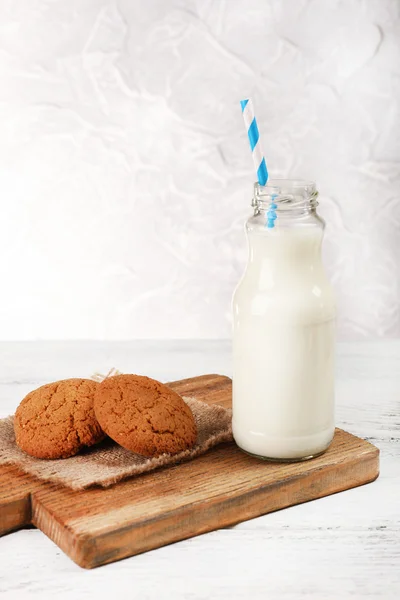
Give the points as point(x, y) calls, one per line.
point(57, 420)
point(144, 416)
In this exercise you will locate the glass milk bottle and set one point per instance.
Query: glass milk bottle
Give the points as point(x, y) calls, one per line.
point(284, 330)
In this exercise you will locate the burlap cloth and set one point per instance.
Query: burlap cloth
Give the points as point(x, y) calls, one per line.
point(106, 463)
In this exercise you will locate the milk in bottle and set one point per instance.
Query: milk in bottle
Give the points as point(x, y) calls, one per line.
point(284, 326)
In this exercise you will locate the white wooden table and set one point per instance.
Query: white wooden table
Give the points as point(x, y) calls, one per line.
point(343, 546)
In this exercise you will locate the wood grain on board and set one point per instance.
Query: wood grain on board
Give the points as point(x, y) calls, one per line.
point(220, 488)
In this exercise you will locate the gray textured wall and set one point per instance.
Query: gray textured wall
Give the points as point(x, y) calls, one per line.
point(125, 174)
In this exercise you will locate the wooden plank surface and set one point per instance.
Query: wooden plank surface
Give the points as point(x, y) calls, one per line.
point(220, 488)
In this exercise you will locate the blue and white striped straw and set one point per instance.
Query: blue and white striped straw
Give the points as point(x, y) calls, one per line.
point(258, 157)
point(254, 139)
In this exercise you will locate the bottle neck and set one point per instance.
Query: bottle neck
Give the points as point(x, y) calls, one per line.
point(283, 201)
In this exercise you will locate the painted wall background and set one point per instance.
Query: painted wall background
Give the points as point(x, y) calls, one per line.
point(125, 174)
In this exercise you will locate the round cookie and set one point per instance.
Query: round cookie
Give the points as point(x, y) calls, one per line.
point(57, 419)
point(144, 416)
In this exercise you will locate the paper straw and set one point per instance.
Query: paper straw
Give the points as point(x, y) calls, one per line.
point(271, 214)
point(258, 157)
point(254, 139)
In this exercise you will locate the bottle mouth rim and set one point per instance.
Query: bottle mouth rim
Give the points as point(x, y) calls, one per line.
point(286, 194)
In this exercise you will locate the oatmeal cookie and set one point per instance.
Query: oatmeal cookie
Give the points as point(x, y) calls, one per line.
point(57, 419)
point(144, 416)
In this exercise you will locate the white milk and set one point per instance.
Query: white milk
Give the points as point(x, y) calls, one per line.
point(283, 347)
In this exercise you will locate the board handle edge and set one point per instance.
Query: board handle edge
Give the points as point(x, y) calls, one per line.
point(15, 514)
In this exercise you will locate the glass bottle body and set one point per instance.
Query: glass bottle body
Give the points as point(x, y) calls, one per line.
point(284, 332)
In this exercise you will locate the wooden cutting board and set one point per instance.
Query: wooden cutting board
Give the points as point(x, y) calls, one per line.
point(220, 488)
